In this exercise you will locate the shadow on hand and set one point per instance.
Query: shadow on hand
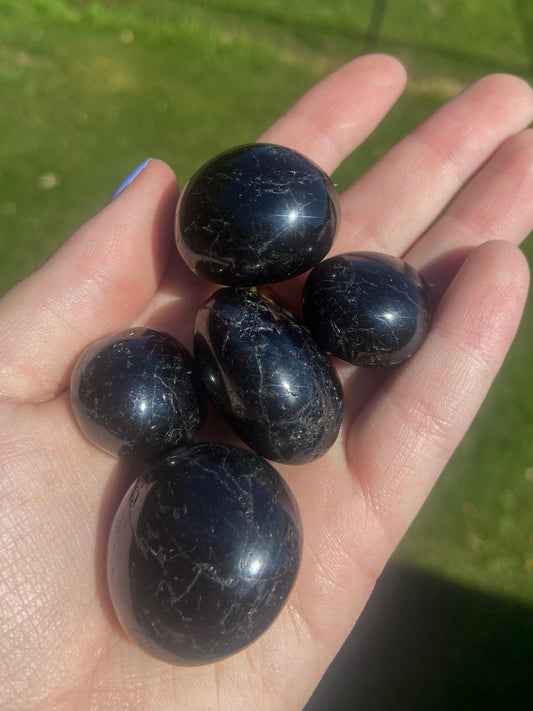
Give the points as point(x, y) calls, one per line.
point(423, 644)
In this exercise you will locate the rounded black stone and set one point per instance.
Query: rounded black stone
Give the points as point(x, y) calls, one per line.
point(136, 395)
point(203, 552)
point(367, 308)
point(256, 214)
point(266, 376)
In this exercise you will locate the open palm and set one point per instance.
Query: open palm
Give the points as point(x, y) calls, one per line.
point(60, 644)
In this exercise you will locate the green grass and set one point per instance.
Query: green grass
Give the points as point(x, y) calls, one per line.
point(91, 89)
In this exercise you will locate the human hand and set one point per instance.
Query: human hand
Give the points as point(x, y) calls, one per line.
point(60, 645)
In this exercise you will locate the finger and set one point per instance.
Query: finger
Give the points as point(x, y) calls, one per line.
point(404, 436)
point(337, 114)
point(404, 192)
point(95, 283)
point(495, 205)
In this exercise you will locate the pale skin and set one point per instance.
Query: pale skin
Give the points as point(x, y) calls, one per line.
point(60, 644)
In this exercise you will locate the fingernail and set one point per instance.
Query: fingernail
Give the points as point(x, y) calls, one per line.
point(131, 177)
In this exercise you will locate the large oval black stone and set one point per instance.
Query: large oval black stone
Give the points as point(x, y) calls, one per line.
point(267, 377)
point(135, 394)
point(367, 308)
point(256, 214)
point(203, 552)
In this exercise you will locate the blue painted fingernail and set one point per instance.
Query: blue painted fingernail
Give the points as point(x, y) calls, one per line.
point(131, 177)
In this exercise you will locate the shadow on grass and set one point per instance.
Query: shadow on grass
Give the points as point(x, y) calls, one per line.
point(423, 644)
point(371, 37)
point(371, 42)
point(524, 14)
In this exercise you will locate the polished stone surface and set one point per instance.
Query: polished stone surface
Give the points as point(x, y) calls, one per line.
point(266, 376)
point(256, 214)
point(203, 552)
point(136, 395)
point(367, 308)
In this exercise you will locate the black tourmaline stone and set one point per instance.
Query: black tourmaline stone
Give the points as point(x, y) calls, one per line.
point(256, 214)
point(203, 552)
point(136, 394)
point(367, 308)
point(267, 377)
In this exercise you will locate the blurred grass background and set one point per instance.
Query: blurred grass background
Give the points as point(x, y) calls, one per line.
point(90, 89)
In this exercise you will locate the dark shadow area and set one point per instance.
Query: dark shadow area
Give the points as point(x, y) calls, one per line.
point(423, 644)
